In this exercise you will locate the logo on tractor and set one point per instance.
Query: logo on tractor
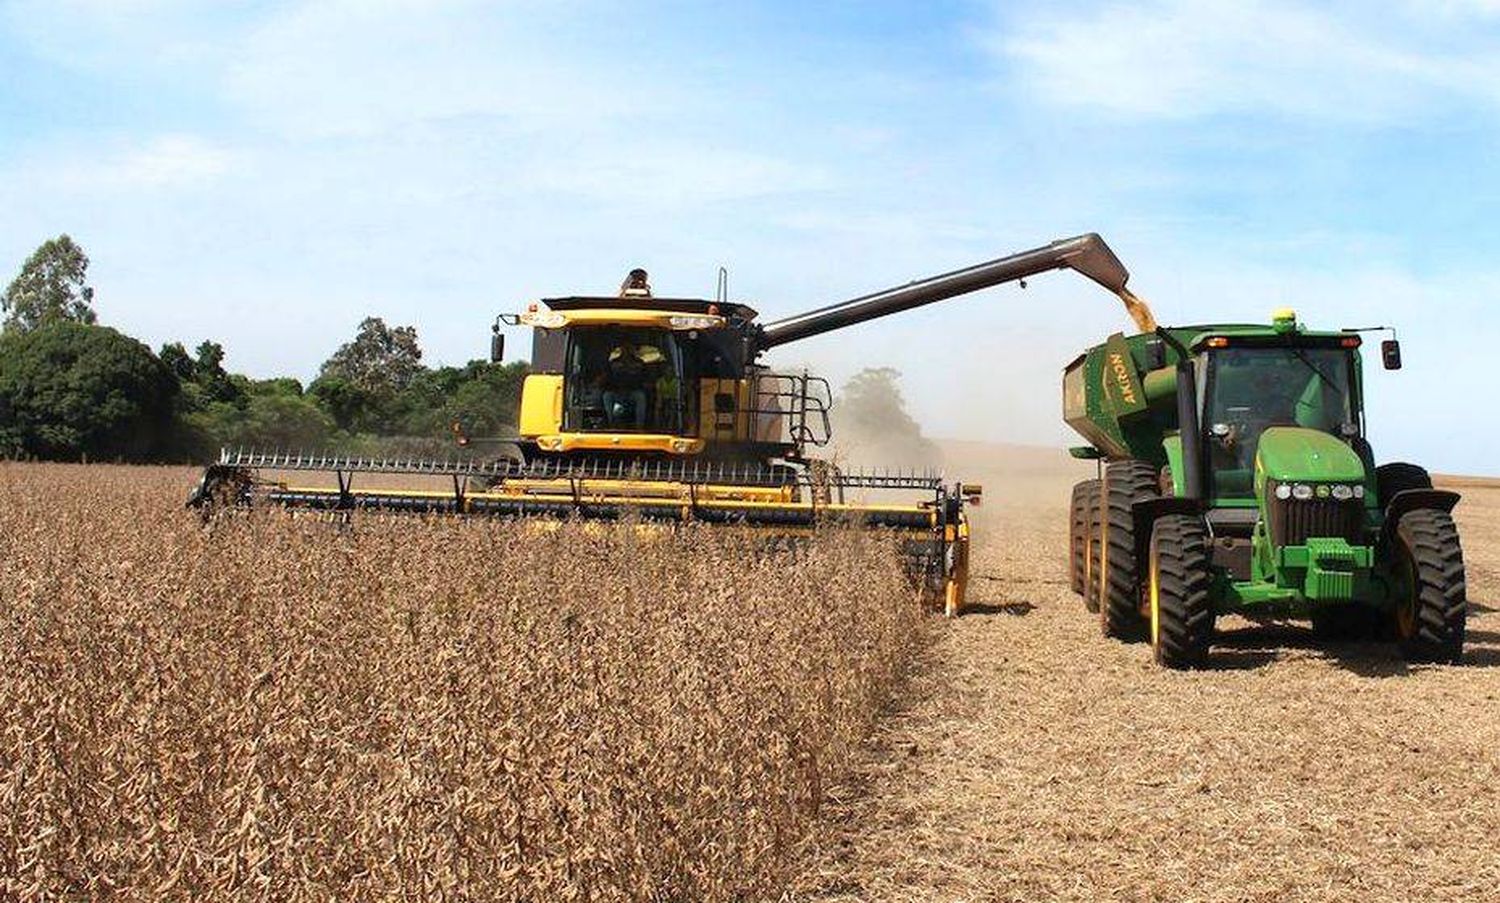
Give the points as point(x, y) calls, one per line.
point(1122, 377)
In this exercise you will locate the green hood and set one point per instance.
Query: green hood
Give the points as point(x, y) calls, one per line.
point(1294, 453)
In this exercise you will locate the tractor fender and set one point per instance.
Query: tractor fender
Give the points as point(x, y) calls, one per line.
point(1145, 512)
point(1410, 500)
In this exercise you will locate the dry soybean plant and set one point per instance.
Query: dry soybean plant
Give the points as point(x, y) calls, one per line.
point(278, 708)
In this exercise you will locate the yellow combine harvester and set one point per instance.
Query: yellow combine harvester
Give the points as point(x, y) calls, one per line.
point(659, 408)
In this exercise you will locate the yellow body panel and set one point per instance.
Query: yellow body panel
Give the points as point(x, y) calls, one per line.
point(541, 404)
point(609, 316)
point(637, 489)
point(634, 442)
point(751, 418)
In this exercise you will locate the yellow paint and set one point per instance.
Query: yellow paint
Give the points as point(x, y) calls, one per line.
point(541, 404)
point(635, 442)
point(605, 316)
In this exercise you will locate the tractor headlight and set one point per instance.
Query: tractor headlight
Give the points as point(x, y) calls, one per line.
point(1302, 492)
point(1284, 491)
point(1343, 493)
point(1359, 491)
point(1323, 490)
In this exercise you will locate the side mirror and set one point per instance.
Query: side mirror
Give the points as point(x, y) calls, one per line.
point(1390, 354)
point(497, 347)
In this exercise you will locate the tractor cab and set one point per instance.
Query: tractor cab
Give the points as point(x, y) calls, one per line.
point(1297, 383)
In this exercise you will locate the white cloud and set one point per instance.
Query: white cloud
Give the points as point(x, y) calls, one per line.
point(1187, 58)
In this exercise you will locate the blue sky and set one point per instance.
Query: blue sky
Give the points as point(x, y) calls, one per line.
point(266, 174)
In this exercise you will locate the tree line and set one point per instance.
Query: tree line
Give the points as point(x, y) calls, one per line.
point(72, 389)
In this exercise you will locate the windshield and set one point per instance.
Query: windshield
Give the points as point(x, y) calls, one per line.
point(1250, 389)
point(623, 379)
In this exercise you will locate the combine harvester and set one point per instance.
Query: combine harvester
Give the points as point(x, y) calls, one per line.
point(659, 408)
point(1238, 480)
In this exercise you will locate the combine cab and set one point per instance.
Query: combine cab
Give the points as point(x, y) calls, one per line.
point(660, 409)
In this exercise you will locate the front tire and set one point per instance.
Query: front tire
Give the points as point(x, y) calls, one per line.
point(1091, 555)
point(1432, 607)
point(1125, 483)
point(1178, 579)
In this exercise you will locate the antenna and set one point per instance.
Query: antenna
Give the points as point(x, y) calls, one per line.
point(721, 294)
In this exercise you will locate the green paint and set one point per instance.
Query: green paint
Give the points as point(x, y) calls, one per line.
point(1289, 454)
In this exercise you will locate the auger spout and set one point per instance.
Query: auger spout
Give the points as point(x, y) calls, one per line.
point(1087, 254)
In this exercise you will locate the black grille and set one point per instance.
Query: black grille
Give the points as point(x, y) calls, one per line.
point(1294, 521)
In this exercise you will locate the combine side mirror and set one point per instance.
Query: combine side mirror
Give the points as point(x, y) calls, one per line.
point(497, 346)
point(1390, 354)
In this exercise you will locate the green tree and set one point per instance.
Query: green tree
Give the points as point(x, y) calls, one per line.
point(50, 287)
point(379, 360)
point(279, 420)
point(72, 390)
point(176, 358)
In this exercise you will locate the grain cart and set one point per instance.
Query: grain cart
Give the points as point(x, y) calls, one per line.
point(1236, 479)
point(661, 409)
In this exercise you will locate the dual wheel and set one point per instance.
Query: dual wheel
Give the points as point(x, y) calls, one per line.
point(1103, 567)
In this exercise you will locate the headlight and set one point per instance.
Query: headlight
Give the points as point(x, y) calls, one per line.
point(1284, 491)
point(1323, 490)
point(1343, 493)
point(695, 322)
point(1302, 491)
point(1359, 492)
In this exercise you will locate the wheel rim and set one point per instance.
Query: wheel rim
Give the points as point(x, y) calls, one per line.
point(1406, 597)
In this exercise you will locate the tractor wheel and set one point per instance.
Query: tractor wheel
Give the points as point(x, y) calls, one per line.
point(1431, 604)
point(1125, 483)
point(1091, 545)
point(1397, 477)
point(1178, 575)
point(1077, 534)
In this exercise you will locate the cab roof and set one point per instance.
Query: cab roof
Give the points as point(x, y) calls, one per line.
point(728, 309)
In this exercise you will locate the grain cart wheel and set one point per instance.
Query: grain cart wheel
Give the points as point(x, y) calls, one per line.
point(1431, 602)
point(1178, 575)
point(1397, 477)
point(1078, 525)
point(1091, 545)
point(1125, 483)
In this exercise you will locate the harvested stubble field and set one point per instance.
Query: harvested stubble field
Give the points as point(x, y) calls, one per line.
point(1031, 759)
point(281, 709)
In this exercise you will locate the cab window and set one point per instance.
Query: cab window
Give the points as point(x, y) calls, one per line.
point(1251, 389)
point(623, 379)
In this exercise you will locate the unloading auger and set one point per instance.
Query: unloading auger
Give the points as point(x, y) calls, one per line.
point(659, 408)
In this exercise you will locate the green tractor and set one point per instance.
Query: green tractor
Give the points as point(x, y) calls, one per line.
point(1236, 478)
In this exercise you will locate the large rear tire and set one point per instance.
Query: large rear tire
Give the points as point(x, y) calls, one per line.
point(1125, 483)
point(1432, 608)
point(1178, 579)
point(1078, 511)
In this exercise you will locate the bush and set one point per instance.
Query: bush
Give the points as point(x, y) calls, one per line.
point(70, 391)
